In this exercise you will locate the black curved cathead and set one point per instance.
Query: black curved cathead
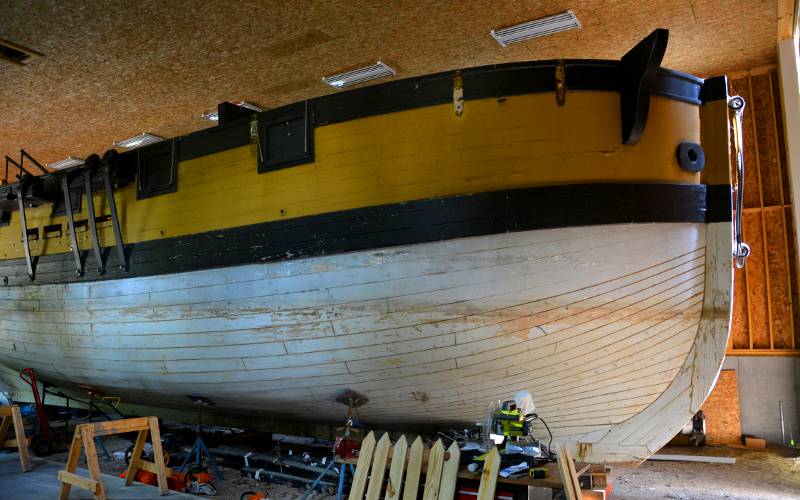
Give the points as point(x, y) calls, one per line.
point(638, 71)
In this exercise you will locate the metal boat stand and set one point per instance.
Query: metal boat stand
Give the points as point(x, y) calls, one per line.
point(342, 471)
point(199, 448)
point(98, 442)
point(321, 477)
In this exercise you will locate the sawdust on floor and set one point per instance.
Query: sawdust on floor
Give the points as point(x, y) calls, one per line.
point(756, 475)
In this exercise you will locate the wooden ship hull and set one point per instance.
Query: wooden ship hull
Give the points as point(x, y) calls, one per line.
point(429, 252)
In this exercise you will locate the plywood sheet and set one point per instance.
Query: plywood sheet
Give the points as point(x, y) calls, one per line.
point(778, 112)
point(765, 310)
point(757, 304)
point(723, 420)
point(763, 110)
point(780, 298)
point(740, 330)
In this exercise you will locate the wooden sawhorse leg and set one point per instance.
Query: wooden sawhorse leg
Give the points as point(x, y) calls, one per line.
point(11, 414)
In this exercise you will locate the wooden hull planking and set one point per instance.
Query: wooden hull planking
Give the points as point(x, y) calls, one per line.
point(599, 323)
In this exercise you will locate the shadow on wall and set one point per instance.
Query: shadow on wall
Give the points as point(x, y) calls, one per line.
point(764, 381)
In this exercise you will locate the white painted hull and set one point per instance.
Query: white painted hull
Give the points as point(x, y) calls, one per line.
point(605, 325)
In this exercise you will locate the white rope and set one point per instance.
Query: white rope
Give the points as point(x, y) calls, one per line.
point(247, 462)
point(258, 474)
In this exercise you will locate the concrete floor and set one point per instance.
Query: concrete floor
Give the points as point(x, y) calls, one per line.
point(773, 474)
point(769, 475)
point(42, 482)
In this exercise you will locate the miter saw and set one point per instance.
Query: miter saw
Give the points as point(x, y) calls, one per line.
point(512, 422)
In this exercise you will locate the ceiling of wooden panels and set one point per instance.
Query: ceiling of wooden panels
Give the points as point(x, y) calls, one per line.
point(115, 68)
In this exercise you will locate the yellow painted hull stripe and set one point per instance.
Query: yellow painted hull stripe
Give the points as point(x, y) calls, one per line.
point(514, 142)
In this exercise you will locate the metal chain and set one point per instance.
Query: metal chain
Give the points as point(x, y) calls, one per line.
point(742, 250)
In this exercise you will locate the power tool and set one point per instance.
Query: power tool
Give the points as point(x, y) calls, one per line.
point(509, 421)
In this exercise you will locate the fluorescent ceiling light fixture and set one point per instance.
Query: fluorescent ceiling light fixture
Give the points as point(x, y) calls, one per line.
point(536, 28)
point(67, 162)
point(377, 70)
point(213, 115)
point(138, 141)
point(250, 106)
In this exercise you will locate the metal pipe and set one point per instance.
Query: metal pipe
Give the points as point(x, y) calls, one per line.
point(267, 475)
point(272, 459)
point(783, 430)
point(741, 249)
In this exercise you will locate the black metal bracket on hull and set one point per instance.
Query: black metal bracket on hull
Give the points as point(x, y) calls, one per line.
point(73, 238)
point(87, 180)
point(104, 166)
point(24, 185)
point(110, 159)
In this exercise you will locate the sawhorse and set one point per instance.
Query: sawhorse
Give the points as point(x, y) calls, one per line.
point(84, 437)
point(20, 442)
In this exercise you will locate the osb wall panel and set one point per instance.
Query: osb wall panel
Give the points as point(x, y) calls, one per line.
point(722, 412)
point(756, 282)
point(763, 116)
point(765, 313)
point(775, 246)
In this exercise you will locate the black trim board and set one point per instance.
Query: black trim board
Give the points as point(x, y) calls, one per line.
point(715, 89)
point(719, 203)
point(397, 224)
point(208, 141)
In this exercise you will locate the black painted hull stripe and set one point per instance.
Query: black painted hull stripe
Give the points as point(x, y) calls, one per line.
point(401, 224)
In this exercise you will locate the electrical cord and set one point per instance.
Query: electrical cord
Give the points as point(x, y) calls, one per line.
point(534, 417)
point(550, 443)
